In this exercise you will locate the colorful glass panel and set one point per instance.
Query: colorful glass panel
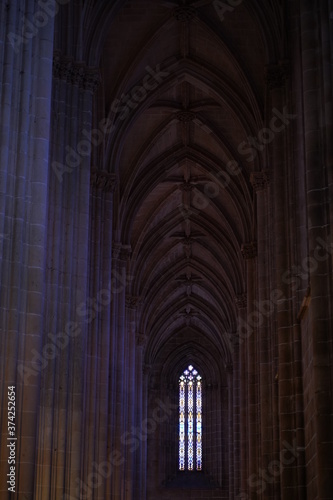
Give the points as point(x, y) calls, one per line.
point(182, 425)
point(190, 420)
point(199, 425)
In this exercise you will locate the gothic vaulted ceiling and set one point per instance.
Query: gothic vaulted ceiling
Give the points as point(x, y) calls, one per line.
point(184, 88)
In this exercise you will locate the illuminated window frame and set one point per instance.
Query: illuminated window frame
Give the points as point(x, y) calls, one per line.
point(190, 420)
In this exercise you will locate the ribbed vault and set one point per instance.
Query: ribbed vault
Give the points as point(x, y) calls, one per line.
point(177, 146)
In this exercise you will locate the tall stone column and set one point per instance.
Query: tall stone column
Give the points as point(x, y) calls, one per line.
point(67, 313)
point(249, 252)
point(235, 415)
point(132, 491)
point(266, 309)
point(281, 125)
point(120, 387)
point(115, 456)
point(140, 457)
point(144, 449)
point(231, 424)
point(96, 456)
point(241, 304)
point(316, 61)
point(25, 97)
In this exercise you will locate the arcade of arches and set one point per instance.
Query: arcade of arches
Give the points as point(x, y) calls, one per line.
point(166, 201)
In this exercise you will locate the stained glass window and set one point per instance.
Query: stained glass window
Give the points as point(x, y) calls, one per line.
point(190, 420)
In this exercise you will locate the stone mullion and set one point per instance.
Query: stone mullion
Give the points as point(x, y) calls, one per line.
point(210, 425)
point(266, 309)
point(320, 326)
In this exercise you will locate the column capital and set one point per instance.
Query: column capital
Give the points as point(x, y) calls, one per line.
point(146, 369)
point(277, 74)
point(125, 252)
point(260, 180)
point(234, 340)
point(75, 73)
point(120, 251)
point(116, 247)
point(103, 180)
point(249, 250)
point(229, 368)
point(141, 339)
point(241, 300)
point(132, 301)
